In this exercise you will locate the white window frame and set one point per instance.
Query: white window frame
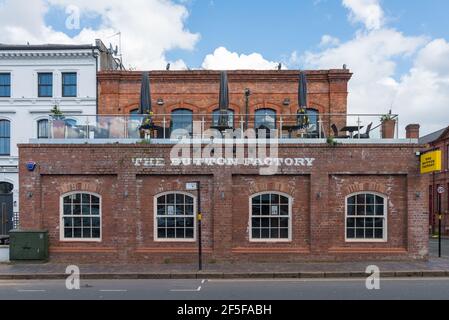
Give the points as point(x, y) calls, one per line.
point(385, 228)
point(155, 216)
point(36, 128)
point(290, 217)
point(62, 238)
point(62, 71)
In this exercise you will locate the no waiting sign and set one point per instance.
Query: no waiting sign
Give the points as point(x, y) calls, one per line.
point(441, 190)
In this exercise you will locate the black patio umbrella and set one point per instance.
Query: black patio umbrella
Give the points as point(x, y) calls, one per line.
point(302, 118)
point(145, 94)
point(302, 92)
point(224, 101)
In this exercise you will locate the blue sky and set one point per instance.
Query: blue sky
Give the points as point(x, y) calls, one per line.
point(398, 50)
point(277, 28)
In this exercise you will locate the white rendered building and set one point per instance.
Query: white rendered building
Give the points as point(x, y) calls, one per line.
point(34, 79)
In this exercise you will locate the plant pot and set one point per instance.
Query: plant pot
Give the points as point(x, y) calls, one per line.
point(58, 129)
point(388, 129)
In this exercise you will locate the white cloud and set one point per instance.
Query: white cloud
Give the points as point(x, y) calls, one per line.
point(223, 59)
point(368, 12)
point(329, 41)
point(149, 27)
point(418, 95)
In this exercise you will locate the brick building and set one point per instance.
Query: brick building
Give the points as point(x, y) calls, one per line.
point(120, 199)
point(439, 203)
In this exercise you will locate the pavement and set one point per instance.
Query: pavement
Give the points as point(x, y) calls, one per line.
point(434, 267)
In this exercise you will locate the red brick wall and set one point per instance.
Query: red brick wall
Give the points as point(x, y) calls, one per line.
point(119, 92)
point(318, 202)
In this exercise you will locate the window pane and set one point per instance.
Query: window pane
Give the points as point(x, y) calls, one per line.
point(189, 210)
point(370, 210)
point(77, 233)
point(283, 200)
point(265, 233)
point(68, 222)
point(257, 200)
point(266, 199)
point(369, 233)
point(189, 233)
point(284, 222)
point(77, 222)
point(43, 129)
point(284, 210)
point(265, 222)
point(283, 233)
point(379, 210)
point(361, 199)
point(351, 210)
point(68, 233)
point(274, 222)
point(265, 118)
point(351, 200)
point(216, 118)
point(379, 223)
point(256, 222)
point(360, 210)
point(182, 119)
point(179, 210)
point(370, 199)
point(265, 210)
point(161, 200)
point(95, 210)
point(161, 210)
point(171, 222)
point(87, 233)
point(274, 198)
point(170, 199)
point(180, 222)
point(96, 222)
point(360, 233)
point(256, 233)
point(67, 210)
point(179, 199)
point(351, 223)
point(350, 234)
point(274, 234)
point(379, 200)
point(86, 222)
point(96, 233)
point(85, 209)
point(379, 234)
point(369, 223)
point(360, 223)
point(161, 222)
point(179, 233)
point(171, 233)
point(256, 210)
point(76, 210)
point(161, 233)
point(95, 199)
point(189, 200)
point(189, 222)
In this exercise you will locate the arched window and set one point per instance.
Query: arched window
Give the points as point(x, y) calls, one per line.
point(216, 118)
point(265, 119)
point(5, 138)
point(81, 217)
point(270, 217)
point(6, 187)
point(43, 129)
point(175, 217)
point(313, 115)
point(366, 217)
point(182, 119)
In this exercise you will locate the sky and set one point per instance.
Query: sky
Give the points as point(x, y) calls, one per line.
point(398, 50)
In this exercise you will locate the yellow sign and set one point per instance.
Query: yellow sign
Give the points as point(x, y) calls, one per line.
point(431, 162)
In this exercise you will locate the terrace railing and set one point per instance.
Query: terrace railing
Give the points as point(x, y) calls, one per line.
point(165, 127)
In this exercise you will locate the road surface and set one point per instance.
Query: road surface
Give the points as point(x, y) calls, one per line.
point(299, 289)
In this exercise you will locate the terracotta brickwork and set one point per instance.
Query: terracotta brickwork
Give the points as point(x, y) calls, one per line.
point(318, 196)
point(119, 92)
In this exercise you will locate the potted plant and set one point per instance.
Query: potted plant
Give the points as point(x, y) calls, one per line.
point(147, 125)
point(58, 123)
point(388, 126)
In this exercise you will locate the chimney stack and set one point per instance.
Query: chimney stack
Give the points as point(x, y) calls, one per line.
point(412, 131)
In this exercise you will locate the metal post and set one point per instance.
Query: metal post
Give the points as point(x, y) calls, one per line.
point(200, 218)
point(164, 124)
point(247, 94)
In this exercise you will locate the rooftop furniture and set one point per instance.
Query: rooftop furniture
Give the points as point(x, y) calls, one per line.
point(351, 130)
point(366, 134)
point(336, 132)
